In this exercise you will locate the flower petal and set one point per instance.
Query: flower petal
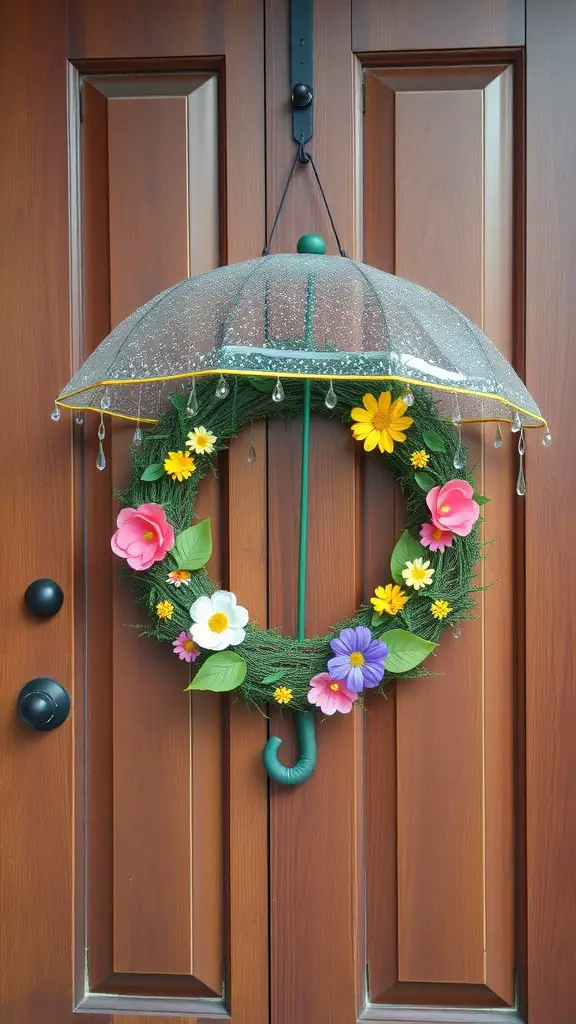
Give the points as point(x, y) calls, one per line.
point(384, 401)
point(355, 679)
point(339, 667)
point(203, 636)
point(388, 442)
point(361, 415)
point(372, 440)
point(201, 610)
point(370, 403)
point(361, 430)
point(362, 638)
point(373, 674)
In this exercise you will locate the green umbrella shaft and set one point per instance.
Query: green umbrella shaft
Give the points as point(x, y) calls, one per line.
point(303, 543)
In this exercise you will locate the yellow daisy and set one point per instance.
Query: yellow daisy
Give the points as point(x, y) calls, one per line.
point(179, 465)
point(390, 599)
point(282, 694)
point(201, 441)
point(380, 422)
point(419, 459)
point(440, 609)
point(164, 609)
point(418, 574)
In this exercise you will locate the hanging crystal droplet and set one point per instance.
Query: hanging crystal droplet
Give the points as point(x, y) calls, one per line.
point(459, 459)
point(457, 632)
point(79, 419)
point(100, 458)
point(222, 387)
point(192, 403)
point(516, 424)
point(101, 429)
point(456, 418)
point(137, 438)
point(521, 481)
point(546, 438)
point(55, 414)
point(251, 453)
point(105, 400)
point(408, 397)
point(278, 393)
point(521, 442)
point(330, 400)
point(498, 439)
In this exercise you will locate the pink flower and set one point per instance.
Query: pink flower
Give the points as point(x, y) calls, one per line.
point(330, 695)
point(452, 507)
point(435, 539)
point(143, 536)
point(185, 648)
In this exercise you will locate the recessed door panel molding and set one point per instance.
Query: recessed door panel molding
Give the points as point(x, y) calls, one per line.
point(440, 159)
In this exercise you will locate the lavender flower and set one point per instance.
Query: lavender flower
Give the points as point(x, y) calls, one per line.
point(359, 659)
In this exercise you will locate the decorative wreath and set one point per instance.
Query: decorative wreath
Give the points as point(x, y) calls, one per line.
point(430, 586)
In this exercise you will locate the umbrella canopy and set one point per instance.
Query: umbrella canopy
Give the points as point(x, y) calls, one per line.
point(299, 315)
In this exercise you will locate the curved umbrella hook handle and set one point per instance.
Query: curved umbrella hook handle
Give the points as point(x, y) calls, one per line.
point(306, 763)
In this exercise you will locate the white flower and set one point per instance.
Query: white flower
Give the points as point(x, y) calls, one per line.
point(201, 441)
point(217, 621)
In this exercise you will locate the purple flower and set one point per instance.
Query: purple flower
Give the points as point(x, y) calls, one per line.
point(359, 659)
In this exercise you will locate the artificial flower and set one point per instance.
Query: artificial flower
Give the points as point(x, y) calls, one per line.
point(178, 577)
point(380, 422)
point(453, 508)
point(164, 609)
point(143, 537)
point(218, 622)
point(418, 574)
point(390, 599)
point(179, 465)
point(419, 459)
point(440, 609)
point(359, 659)
point(185, 648)
point(201, 441)
point(435, 539)
point(330, 694)
point(282, 695)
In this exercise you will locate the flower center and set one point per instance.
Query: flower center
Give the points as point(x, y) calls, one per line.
point(201, 440)
point(380, 420)
point(188, 645)
point(419, 574)
point(334, 686)
point(148, 535)
point(444, 509)
point(436, 534)
point(356, 659)
point(218, 622)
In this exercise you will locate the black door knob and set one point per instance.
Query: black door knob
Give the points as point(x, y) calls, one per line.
point(43, 598)
point(43, 704)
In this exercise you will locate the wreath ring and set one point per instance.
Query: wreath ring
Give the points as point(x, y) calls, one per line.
point(432, 565)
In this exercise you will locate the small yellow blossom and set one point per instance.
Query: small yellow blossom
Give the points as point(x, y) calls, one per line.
point(381, 422)
point(201, 441)
point(179, 465)
point(390, 599)
point(164, 609)
point(283, 695)
point(440, 609)
point(418, 574)
point(419, 459)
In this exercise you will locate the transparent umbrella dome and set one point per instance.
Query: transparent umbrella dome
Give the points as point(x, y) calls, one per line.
point(298, 315)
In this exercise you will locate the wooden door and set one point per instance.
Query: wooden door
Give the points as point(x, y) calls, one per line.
point(425, 872)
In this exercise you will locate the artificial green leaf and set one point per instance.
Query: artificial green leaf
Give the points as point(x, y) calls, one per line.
point(376, 619)
point(405, 650)
point(220, 673)
point(481, 499)
point(193, 546)
point(153, 472)
point(274, 677)
point(433, 441)
point(406, 550)
point(262, 384)
point(179, 400)
point(425, 481)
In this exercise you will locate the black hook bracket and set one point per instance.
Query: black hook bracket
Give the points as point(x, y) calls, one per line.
point(302, 71)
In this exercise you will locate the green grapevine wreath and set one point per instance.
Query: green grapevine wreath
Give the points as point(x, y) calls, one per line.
point(431, 571)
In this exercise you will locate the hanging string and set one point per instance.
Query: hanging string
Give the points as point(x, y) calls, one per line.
point(303, 157)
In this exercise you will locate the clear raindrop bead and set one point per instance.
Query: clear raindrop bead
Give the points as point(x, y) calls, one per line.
point(521, 481)
point(330, 399)
point(137, 438)
point(222, 387)
point(55, 414)
point(100, 458)
point(251, 453)
point(105, 401)
point(79, 419)
point(278, 393)
point(101, 429)
point(546, 438)
point(498, 439)
point(457, 632)
point(456, 417)
point(192, 403)
point(459, 459)
point(516, 424)
point(521, 442)
point(408, 397)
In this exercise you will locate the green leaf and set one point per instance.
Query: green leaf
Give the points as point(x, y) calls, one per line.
point(274, 677)
point(406, 550)
point(262, 384)
point(425, 481)
point(179, 400)
point(433, 441)
point(193, 546)
point(376, 619)
point(153, 472)
point(481, 499)
point(220, 673)
point(405, 650)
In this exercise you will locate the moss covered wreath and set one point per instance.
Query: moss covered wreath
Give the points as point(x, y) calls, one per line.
point(432, 567)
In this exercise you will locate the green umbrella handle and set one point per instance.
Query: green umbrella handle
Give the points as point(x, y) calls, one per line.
point(306, 763)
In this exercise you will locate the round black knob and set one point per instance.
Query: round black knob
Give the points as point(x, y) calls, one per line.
point(43, 704)
point(301, 95)
point(43, 598)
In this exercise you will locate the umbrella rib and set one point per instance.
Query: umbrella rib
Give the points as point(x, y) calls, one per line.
point(377, 297)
